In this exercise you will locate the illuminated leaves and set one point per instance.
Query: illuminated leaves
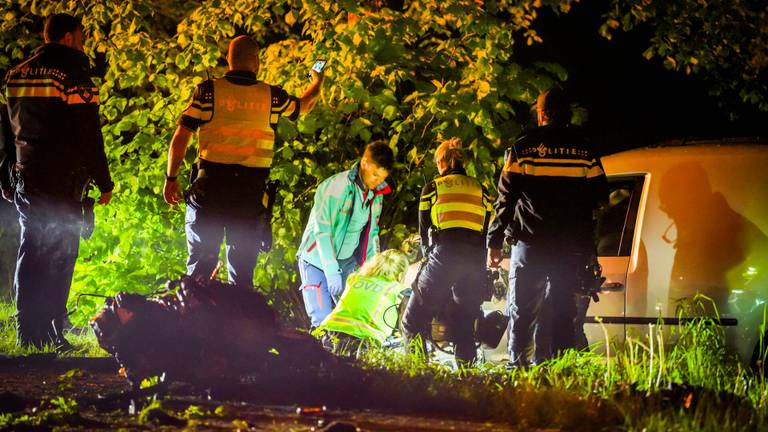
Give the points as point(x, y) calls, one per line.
point(413, 76)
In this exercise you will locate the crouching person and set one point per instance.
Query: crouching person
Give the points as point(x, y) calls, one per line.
point(366, 313)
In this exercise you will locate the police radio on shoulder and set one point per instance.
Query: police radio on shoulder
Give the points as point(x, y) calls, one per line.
point(317, 67)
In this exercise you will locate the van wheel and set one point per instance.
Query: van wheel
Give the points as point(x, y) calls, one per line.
point(760, 359)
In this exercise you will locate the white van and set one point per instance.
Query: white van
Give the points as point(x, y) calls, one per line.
point(685, 218)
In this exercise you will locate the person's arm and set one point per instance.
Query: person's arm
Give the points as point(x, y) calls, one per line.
point(7, 154)
point(326, 213)
point(509, 193)
point(199, 111)
point(599, 184)
point(82, 99)
point(428, 193)
point(308, 99)
point(176, 152)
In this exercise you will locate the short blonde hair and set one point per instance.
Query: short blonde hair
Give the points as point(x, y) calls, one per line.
point(390, 264)
point(450, 152)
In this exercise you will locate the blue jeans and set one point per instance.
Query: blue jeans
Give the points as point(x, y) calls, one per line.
point(543, 280)
point(50, 239)
point(318, 301)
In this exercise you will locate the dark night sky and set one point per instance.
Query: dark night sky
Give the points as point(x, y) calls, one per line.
point(632, 101)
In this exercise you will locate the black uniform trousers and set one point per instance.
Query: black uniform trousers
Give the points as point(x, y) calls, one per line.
point(50, 239)
point(227, 203)
point(543, 282)
point(450, 283)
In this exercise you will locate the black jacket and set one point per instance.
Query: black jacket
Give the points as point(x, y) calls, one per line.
point(551, 184)
point(54, 115)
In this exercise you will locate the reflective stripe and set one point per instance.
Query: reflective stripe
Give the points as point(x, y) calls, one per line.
point(551, 167)
point(82, 96)
point(460, 198)
point(354, 323)
point(199, 111)
point(48, 91)
point(281, 108)
point(40, 87)
point(460, 219)
point(458, 203)
point(595, 171)
point(547, 171)
point(240, 131)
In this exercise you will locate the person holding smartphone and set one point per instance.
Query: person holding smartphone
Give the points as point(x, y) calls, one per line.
point(236, 118)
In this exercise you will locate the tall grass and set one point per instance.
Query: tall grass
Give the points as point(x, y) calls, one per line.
point(82, 339)
point(676, 378)
point(671, 378)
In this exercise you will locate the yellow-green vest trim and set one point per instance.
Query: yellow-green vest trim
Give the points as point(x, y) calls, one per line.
point(458, 203)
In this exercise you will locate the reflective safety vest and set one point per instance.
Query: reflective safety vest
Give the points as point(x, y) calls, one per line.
point(458, 203)
point(240, 131)
point(367, 309)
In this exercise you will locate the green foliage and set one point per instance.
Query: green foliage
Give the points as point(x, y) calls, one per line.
point(724, 41)
point(58, 411)
point(432, 70)
point(682, 378)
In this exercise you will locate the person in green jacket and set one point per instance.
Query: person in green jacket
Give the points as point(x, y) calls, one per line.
point(367, 311)
point(343, 229)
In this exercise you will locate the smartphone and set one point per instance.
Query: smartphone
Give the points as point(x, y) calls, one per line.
point(317, 67)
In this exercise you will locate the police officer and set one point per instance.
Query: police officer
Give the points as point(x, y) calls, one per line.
point(54, 116)
point(454, 211)
point(236, 117)
point(548, 191)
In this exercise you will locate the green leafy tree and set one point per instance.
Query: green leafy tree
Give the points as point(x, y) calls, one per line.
point(412, 73)
point(724, 41)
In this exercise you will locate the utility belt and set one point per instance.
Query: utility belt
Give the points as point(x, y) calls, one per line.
point(204, 168)
point(460, 237)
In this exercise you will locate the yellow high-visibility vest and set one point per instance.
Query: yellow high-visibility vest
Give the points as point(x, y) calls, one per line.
point(458, 203)
point(240, 131)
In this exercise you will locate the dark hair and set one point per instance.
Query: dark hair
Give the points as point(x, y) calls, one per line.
point(381, 154)
point(555, 105)
point(58, 25)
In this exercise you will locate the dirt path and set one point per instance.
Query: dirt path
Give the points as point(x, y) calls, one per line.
point(29, 384)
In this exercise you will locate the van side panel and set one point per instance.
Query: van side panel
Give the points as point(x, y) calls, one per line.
point(704, 231)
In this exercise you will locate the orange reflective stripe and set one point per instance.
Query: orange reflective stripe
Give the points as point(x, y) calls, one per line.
point(240, 132)
point(238, 150)
point(76, 98)
point(35, 91)
point(460, 216)
point(459, 197)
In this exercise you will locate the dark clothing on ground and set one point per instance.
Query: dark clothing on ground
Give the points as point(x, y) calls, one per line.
point(551, 185)
point(453, 214)
point(54, 117)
